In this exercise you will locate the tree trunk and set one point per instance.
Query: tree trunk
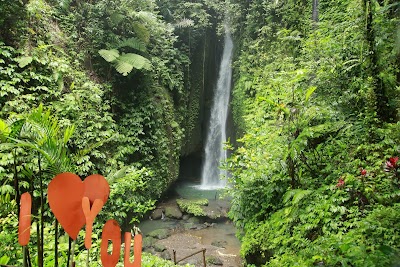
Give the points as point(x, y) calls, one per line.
point(382, 102)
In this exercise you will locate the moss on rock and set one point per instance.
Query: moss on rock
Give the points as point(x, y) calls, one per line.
point(194, 207)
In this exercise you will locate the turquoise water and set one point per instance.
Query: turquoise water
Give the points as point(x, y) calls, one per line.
point(192, 191)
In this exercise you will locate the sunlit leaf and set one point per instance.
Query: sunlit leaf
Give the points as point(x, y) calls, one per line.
point(109, 55)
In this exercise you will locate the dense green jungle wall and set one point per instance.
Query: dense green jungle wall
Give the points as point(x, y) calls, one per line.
point(131, 79)
point(315, 178)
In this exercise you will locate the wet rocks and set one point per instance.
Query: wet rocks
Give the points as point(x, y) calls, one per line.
point(160, 233)
point(148, 242)
point(219, 243)
point(173, 212)
point(157, 214)
point(165, 255)
point(214, 260)
point(159, 247)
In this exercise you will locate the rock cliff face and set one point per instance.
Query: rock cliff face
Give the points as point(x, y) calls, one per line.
point(203, 75)
point(205, 61)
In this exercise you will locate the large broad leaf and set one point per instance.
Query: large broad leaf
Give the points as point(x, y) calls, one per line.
point(310, 91)
point(109, 55)
point(123, 67)
point(138, 61)
point(296, 195)
point(127, 62)
point(133, 43)
point(4, 130)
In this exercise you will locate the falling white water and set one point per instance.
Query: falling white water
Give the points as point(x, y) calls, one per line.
point(216, 134)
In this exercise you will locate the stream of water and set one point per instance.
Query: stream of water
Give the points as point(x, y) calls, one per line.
point(185, 240)
point(216, 134)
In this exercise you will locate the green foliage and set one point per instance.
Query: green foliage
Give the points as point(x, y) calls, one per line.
point(306, 101)
point(149, 260)
point(130, 196)
point(90, 119)
point(126, 62)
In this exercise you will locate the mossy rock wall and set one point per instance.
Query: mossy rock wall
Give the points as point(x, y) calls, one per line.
point(203, 76)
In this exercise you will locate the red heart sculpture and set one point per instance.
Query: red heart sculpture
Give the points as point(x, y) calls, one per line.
point(65, 193)
point(96, 187)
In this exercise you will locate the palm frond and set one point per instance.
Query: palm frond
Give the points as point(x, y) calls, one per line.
point(126, 62)
point(109, 55)
point(123, 67)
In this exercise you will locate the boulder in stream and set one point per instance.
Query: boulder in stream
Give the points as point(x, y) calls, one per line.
point(214, 260)
point(148, 242)
point(159, 247)
point(165, 255)
point(173, 212)
point(160, 233)
point(220, 243)
point(157, 214)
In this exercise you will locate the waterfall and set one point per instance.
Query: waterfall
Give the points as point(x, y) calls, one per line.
point(216, 133)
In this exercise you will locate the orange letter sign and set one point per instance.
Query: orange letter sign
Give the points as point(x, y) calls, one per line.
point(137, 250)
point(90, 215)
point(24, 231)
point(111, 231)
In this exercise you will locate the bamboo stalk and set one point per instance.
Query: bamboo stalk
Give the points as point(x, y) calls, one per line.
point(56, 244)
point(41, 245)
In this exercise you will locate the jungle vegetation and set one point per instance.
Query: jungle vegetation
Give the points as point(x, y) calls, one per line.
point(315, 173)
point(117, 88)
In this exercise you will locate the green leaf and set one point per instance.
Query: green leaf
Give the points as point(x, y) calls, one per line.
point(386, 250)
point(127, 62)
point(288, 195)
point(123, 67)
point(4, 129)
point(309, 92)
point(24, 61)
point(297, 194)
point(109, 55)
point(4, 260)
point(137, 61)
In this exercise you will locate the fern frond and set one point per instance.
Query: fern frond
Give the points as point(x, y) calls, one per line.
point(145, 16)
point(24, 61)
point(141, 32)
point(299, 195)
point(116, 18)
point(184, 23)
point(133, 43)
point(109, 55)
point(123, 67)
